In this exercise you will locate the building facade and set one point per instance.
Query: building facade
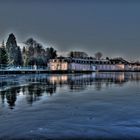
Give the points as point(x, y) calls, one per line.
point(89, 64)
point(70, 64)
point(59, 64)
point(116, 64)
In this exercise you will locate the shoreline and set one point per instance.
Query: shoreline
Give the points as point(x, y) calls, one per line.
point(3, 72)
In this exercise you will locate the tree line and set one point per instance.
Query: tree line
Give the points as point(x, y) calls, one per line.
point(32, 53)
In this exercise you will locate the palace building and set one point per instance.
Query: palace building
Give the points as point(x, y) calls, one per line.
point(88, 64)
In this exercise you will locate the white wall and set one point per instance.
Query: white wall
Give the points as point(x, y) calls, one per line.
point(110, 67)
point(83, 67)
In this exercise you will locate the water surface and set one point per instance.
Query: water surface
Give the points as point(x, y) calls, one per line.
point(97, 105)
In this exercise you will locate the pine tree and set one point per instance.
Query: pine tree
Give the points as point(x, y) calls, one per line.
point(13, 51)
point(3, 55)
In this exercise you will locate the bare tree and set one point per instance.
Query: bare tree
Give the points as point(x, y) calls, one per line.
point(98, 55)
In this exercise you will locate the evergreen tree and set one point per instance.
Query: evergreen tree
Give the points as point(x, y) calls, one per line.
point(3, 55)
point(13, 51)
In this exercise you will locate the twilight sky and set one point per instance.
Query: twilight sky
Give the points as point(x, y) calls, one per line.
point(109, 26)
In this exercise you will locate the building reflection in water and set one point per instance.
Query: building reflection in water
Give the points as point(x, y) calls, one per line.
point(33, 87)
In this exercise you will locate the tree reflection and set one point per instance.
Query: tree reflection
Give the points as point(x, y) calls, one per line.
point(51, 89)
point(39, 85)
point(33, 92)
point(3, 96)
point(11, 96)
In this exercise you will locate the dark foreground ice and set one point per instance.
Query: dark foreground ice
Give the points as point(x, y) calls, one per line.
point(94, 106)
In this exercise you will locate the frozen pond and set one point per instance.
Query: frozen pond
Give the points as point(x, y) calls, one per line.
point(87, 106)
